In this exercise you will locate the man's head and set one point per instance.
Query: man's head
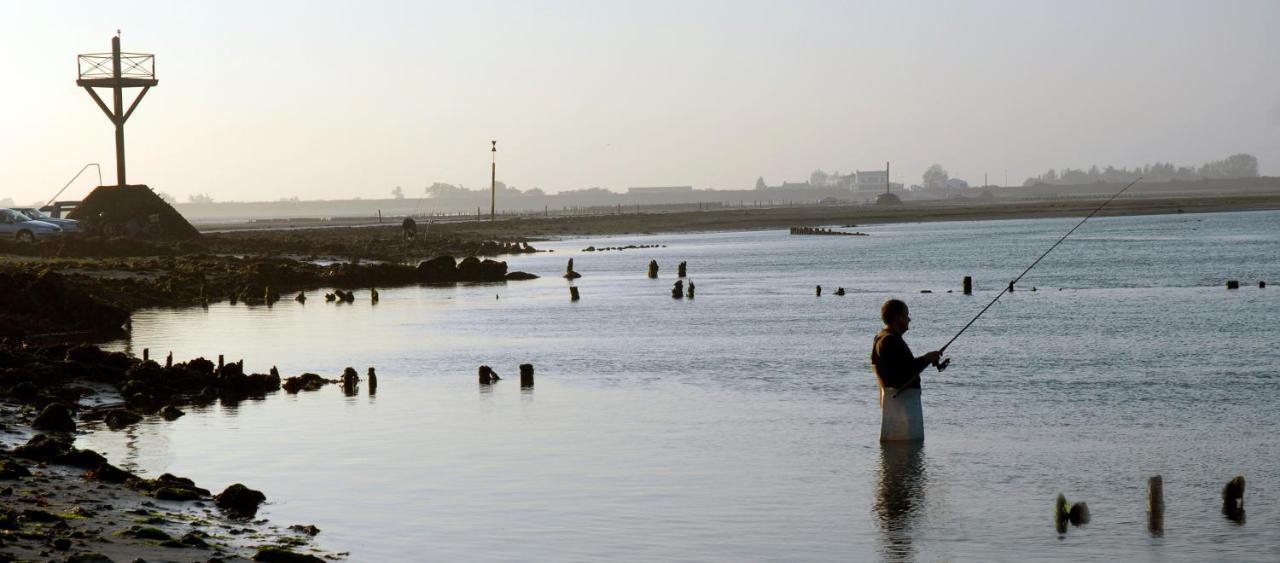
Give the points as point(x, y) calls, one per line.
point(895, 315)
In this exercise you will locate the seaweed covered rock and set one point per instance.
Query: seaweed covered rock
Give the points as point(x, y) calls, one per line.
point(55, 417)
point(304, 382)
point(10, 469)
point(131, 210)
point(46, 448)
point(240, 501)
point(275, 554)
point(108, 473)
point(440, 269)
point(169, 487)
point(44, 303)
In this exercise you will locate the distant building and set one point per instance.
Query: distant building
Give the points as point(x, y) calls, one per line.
point(661, 190)
point(872, 181)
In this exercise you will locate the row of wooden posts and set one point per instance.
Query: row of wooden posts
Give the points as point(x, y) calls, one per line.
point(488, 377)
point(1077, 514)
point(678, 290)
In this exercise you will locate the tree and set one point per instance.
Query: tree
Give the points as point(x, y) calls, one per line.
point(935, 177)
point(200, 198)
point(397, 193)
point(760, 185)
point(819, 178)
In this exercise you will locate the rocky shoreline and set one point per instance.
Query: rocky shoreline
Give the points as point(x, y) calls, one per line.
point(64, 503)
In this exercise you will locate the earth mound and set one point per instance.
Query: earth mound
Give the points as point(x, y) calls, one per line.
point(131, 210)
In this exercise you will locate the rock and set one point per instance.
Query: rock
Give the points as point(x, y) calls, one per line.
point(170, 412)
point(819, 292)
point(240, 501)
point(169, 487)
point(309, 530)
point(55, 417)
point(840, 291)
point(34, 515)
point(526, 375)
point(437, 270)
point(273, 554)
point(301, 298)
point(84, 459)
point(304, 382)
point(520, 276)
point(689, 291)
point(121, 418)
point(1233, 284)
point(487, 375)
point(677, 289)
point(10, 469)
point(147, 533)
point(88, 558)
point(108, 473)
point(42, 447)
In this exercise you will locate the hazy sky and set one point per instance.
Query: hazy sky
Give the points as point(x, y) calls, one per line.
point(319, 99)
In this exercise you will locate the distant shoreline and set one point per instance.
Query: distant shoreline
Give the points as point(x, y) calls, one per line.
point(744, 219)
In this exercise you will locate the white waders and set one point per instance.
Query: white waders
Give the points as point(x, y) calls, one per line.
point(901, 418)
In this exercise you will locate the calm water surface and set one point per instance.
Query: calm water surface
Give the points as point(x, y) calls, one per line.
point(743, 424)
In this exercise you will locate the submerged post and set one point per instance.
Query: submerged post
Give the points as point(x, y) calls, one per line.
point(573, 293)
point(1155, 506)
point(967, 284)
point(526, 375)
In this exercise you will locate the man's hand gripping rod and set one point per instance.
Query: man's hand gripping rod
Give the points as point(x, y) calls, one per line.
point(943, 364)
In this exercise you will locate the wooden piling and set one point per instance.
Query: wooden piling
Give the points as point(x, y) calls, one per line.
point(682, 269)
point(1010, 287)
point(573, 293)
point(373, 381)
point(146, 354)
point(1233, 284)
point(1155, 506)
point(168, 360)
point(967, 284)
point(1261, 284)
point(219, 363)
point(653, 269)
point(526, 375)
point(1233, 499)
point(819, 291)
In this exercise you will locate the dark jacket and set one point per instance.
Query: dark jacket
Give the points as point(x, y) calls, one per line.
point(893, 362)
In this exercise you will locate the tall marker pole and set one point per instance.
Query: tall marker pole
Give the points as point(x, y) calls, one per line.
point(493, 182)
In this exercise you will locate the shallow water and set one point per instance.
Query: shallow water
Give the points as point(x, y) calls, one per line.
point(743, 425)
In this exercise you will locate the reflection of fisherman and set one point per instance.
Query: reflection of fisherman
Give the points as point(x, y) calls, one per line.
point(897, 368)
point(900, 497)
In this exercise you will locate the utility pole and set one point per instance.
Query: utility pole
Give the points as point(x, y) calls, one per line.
point(493, 181)
point(886, 176)
point(117, 71)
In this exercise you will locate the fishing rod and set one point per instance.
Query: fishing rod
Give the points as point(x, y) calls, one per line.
point(943, 364)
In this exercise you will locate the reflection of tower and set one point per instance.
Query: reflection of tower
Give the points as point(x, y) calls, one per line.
point(493, 181)
point(117, 71)
point(899, 496)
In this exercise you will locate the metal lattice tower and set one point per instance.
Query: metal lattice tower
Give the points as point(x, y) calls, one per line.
point(117, 71)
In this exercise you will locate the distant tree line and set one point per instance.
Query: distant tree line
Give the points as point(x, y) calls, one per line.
point(1235, 166)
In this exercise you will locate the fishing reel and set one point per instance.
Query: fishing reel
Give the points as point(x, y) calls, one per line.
point(943, 364)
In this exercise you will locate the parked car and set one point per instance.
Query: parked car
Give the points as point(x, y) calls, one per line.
point(68, 225)
point(18, 226)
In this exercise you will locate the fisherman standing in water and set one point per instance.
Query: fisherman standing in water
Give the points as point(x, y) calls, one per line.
point(897, 371)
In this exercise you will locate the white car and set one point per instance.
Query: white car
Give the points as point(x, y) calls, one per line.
point(22, 228)
point(68, 225)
